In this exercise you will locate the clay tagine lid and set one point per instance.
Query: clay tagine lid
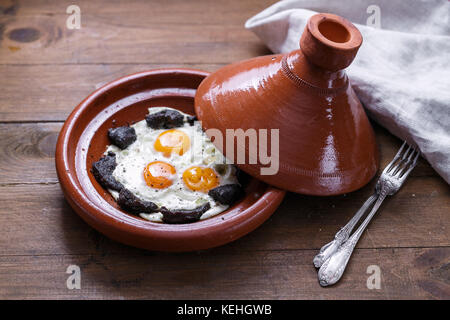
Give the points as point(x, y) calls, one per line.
point(312, 134)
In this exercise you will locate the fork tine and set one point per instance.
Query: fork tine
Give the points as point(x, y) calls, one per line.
point(412, 154)
point(399, 152)
point(395, 165)
point(391, 165)
point(409, 164)
point(411, 167)
point(397, 156)
point(404, 162)
point(406, 153)
point(416, 158)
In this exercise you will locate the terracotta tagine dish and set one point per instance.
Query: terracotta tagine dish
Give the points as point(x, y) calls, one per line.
point(326, 143)
point(83, 140)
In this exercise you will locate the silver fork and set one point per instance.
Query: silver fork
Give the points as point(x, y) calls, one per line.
point(334, 256)
point(342, 235)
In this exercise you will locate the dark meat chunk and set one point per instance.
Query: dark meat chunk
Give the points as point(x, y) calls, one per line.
point(102, 171)
point(165, 119)
point(226, 194)
point(132, 204)
point(184, 215)
point(122, 136)
point(191, 120)
point(242, 177)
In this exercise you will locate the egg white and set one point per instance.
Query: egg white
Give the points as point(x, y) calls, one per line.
point(202, 152)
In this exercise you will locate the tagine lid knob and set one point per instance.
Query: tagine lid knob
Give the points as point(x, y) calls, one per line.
point(330, 41)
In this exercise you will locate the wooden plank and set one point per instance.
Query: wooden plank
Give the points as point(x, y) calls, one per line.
point(50, 92)
point(204, 12)
point(409, 273)
point(144, 33)
point(28, 95)
point(35, 219)
point(28, 152)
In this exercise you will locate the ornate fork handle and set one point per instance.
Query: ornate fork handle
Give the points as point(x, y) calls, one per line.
point(333, 268)
point(342, 235)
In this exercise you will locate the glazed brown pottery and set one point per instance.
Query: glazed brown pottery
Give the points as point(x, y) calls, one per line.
point(83, 140)
point(326, 143)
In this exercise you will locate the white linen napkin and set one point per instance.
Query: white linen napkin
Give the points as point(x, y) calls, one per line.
point(402, 70)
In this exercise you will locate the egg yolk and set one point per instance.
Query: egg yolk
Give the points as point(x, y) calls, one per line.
point(158, 174)
point(172, 141)
point(200, 179)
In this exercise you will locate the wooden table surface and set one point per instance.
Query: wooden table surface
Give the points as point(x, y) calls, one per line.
point(47, 69)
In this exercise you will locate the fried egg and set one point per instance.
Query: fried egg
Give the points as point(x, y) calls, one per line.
point(174, 168)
